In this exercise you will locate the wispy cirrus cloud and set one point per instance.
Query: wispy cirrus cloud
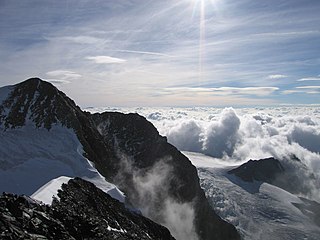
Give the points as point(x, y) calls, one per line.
point(308, 87)
point(58, 81)
point(308, 79)
point(106, 59)
point(59, 77)
point(256, 91)
point(135, 45)
point(64, 74)
point(277, 76)
point(303, 90)
point(144, 52)
point(82, 39)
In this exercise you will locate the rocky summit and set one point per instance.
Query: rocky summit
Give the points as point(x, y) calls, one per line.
point(81, 211)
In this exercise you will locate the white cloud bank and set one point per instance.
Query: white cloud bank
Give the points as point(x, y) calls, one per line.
point(236, 136)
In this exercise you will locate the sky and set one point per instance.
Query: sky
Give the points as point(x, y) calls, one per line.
point(166, 53)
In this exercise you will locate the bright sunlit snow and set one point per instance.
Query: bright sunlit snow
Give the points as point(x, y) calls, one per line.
point(37, 161)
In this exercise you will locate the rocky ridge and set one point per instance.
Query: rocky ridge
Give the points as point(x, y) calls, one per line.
point(82, 211)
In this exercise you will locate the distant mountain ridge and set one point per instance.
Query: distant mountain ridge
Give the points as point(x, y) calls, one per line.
point(265, 170)
point(128, 151)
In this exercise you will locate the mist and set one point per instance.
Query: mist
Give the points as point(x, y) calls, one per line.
point(149, 192)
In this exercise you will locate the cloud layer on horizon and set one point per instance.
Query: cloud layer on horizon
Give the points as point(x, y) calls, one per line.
point(237, 135)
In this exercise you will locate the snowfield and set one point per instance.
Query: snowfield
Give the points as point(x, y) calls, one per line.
point(258, 210)
point(35, 161)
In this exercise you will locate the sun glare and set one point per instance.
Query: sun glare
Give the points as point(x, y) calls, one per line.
point(200, 7)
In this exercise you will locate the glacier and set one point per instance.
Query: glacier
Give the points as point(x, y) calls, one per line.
point(258, 210)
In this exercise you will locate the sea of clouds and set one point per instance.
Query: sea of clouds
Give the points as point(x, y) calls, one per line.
point(290, 134)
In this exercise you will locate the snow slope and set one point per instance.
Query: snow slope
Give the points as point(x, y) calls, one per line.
point(35, 161)
point(258, 210)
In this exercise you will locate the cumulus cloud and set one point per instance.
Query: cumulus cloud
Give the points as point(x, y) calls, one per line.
point(221, 137)
point(306, 136)
point(186, 136)
point(151, 195)
point(215, 138)
point(106, 59)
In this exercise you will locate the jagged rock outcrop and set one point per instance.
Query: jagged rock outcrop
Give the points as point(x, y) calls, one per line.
point(133, 136)
point(82, 212)
point(128, 151)
point(264, 170)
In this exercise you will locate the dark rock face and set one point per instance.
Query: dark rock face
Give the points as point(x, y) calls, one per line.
point(281, 174)
point(132, 135)
point(23, 218)
point(108, 139)
point(46, 105)
point(264, 170)
point(83, 212)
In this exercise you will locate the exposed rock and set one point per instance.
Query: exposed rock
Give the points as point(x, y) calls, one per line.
point(281, 174)
point(264, 170)
point(82, 212)
point(133, 136)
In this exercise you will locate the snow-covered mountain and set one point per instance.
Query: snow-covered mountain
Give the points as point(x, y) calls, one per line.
point(46, 139)
point(245, 196)
point(38, 144)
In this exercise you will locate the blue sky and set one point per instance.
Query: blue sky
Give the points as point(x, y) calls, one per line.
point(166, 53)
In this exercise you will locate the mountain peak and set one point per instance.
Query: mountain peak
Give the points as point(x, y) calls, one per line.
point(37, 101)
point(264, 170)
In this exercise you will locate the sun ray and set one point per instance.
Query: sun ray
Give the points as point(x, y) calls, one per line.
point(201, 39)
